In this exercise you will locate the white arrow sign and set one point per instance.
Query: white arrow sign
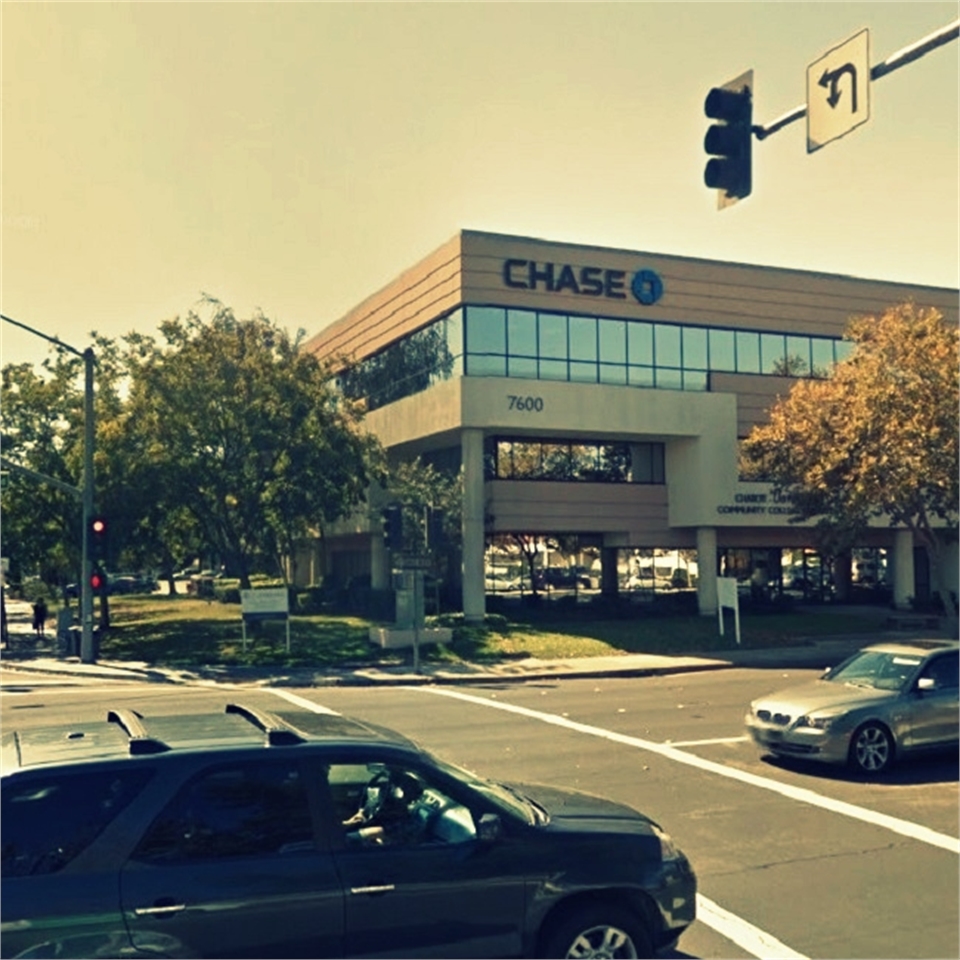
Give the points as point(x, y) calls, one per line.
point(838, 91)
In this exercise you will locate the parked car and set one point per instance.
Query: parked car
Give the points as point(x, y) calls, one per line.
point(251, 834)
point(886, 701)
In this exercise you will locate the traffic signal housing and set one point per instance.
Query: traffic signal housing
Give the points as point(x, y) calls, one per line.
point(392, 527)
point(729, 169)
point(98, 538)
point(98, 581)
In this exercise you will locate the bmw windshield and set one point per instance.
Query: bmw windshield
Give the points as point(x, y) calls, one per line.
point(876, 669)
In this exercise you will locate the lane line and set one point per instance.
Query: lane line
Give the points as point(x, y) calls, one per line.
point(704, 743)
point(301, 701)
point(757, 942)
point(905, 828)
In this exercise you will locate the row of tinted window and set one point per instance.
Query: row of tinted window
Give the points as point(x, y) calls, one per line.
point(507, 342)
point(497, 341)
point(513, 458)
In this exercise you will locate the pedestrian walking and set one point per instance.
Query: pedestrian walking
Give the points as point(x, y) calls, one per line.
point(39, 616)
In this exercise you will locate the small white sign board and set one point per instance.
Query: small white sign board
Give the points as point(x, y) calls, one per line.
point(267, 603)
point(727, 596)
point(838, 91)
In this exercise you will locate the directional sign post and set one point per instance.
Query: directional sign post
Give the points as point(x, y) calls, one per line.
point(838, 91)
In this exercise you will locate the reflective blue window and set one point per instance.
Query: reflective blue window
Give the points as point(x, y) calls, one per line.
point(522, 333)
point(798, 356)
point(583, 372)
point(842, 349)
point(486, 330)
point(583, 338)
point(640, 376)
point(723, 351)
point(525, 367)
point(666, 339)
point(613, 373)
point(640, 343)
point(669, 379)
point(748, 352)
point(553, 369)
point(486, 365)
point(553, 335)
point(694, 348)
point(822, 350)
point(613, 341)
point(772, 353)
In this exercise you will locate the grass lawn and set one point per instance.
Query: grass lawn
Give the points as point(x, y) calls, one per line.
point(181, 631)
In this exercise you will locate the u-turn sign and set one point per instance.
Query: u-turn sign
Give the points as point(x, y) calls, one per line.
point(838, 91)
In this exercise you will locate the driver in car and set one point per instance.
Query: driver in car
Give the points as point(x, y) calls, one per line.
point(387, 814)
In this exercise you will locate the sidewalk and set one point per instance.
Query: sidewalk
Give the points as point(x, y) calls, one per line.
point(817, 655)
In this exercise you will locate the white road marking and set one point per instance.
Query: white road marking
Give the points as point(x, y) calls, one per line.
point(704, 743)
point(757, 942)
point(301, 701)
point(904, 827)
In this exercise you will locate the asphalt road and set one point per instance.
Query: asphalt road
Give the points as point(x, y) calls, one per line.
point(793, 861)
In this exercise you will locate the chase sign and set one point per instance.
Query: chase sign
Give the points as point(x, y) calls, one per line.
point(645, 285)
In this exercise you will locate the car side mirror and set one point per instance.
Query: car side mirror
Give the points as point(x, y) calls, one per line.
point(926, 683)
point(490, 828)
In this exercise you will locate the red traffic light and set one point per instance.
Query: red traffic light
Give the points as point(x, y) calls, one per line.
point(96, 580)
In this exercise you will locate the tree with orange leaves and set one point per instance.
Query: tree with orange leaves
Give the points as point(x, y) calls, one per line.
point(877, 438)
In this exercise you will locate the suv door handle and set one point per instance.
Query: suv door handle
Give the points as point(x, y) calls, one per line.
point(379, 888)
point(160, 909)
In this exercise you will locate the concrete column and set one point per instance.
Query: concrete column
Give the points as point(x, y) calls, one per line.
point(379, 562)
point(474, 598)
point(707, 571)
point(904, 582)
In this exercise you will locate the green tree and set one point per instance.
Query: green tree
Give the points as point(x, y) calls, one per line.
point(239, 428)
point(878, 438)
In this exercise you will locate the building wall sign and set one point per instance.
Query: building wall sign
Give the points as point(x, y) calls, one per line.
point(747, 504)
point(645, 285)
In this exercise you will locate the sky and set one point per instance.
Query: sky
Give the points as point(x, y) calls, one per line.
point(294, 158)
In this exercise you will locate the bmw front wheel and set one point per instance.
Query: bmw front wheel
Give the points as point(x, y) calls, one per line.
point(871, 748)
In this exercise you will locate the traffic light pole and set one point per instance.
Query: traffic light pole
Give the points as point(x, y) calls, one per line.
point(86, 491)
point(87, 652)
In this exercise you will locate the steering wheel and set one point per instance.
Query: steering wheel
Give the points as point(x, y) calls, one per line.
point(375, 795)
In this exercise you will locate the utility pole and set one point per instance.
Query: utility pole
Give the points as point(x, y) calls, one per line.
point(85, 492)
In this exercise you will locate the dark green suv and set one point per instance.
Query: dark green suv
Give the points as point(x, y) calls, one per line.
point(251, 834)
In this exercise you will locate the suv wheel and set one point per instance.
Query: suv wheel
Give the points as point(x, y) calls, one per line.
point(599, 931)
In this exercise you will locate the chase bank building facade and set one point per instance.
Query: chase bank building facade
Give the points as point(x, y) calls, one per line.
point(594, 399)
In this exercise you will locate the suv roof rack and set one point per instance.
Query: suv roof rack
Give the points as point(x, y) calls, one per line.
point(131, 723)
point(279, 732)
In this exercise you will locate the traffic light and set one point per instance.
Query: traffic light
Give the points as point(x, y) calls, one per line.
point(435, 535)
point(729, 142)
point(97, 580)
point(392, 527)
point(98, 538)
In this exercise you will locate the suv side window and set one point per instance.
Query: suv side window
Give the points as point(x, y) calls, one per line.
point(386, 804)
point(49, 820)
point(241, 810)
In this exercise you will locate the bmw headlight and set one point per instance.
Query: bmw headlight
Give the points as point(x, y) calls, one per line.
point(815, 723)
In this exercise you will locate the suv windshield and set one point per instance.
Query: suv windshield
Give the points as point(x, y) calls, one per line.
point(876, 668)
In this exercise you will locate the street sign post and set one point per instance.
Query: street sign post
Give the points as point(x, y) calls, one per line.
point(838, 91)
